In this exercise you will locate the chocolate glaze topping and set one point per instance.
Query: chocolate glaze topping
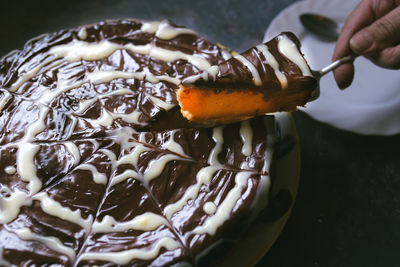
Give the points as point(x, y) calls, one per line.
point(97, 167)
point(268, 69)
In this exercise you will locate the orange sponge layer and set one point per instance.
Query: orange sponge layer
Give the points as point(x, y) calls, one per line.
point(206, 105)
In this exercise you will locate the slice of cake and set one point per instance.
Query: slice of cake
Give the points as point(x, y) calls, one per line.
point(267, 78)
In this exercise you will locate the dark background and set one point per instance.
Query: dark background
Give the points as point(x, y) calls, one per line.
point(347, 211)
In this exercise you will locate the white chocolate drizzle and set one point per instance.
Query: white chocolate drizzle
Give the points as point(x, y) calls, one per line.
point(98, 177)
point(50, 241)
point(252, 69)
point(52, 207)
point(226, 54)
point(262, 193)
point(156, 166)
point(106, 76)
point(111, 155)
point(289, 49)
point(10, 206)
point(37, 126)
point(246, 134)
point(73, 150)
point(123, 176)
point(219, 140)
point(173, 146)
point(10, 170)
point(209, 207)
point(86, 103)
point(208, 73)
point(82, 34)
point(274, 64)
point(4, 100)
point(204, 176)
point(160, 103)
point(164, 30)
point(81, 50)
point(105, 119)
point(150, 26)
point(133, 157)
point(213, 71)
point(170, 56)
point(145, 222)
point(125, 256)
point(29, 75)
point(26, 166)
point(224, 210)
point(132, 117)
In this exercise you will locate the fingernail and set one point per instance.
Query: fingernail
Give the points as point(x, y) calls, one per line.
point(342, 86)
point(361, 42)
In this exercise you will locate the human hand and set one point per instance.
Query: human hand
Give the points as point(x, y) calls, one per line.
point(373, 31)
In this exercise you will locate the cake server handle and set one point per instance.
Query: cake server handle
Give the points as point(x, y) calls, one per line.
point(319, 73)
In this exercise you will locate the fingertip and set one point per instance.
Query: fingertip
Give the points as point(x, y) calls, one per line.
point(344, 75)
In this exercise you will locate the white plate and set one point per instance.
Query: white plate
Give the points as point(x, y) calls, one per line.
point(261, 236)
point(372, 104)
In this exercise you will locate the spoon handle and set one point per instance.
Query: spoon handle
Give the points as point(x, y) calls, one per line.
point(318, 74)
point(336, 64)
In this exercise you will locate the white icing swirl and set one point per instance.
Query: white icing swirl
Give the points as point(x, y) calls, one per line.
point(224, 210)
point(164, 30)
point(7, 96)
point(10, 206)
point(26, 166)
point(52, 207)
point(246, 134)
point(125, 256)
point(209, 208)
point(289, 49)
point(145, 222)
point(274, 64)
point(50, 241)
point(98, 177)
point(82, 34)
point(10, 170)
point(252, 69)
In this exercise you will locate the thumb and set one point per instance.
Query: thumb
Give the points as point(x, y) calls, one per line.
point(383, 33)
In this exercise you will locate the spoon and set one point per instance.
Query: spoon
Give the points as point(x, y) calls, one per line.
point(328, 30)
point(322, 27)
point(319, 73)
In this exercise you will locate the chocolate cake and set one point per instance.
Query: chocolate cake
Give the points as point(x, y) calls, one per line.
point(267, 78)
point(97, 165)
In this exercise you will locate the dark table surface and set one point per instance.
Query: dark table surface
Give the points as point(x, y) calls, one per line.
point(347, 211)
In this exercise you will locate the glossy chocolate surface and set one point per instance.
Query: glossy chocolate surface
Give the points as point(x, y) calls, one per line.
point(104, 171)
